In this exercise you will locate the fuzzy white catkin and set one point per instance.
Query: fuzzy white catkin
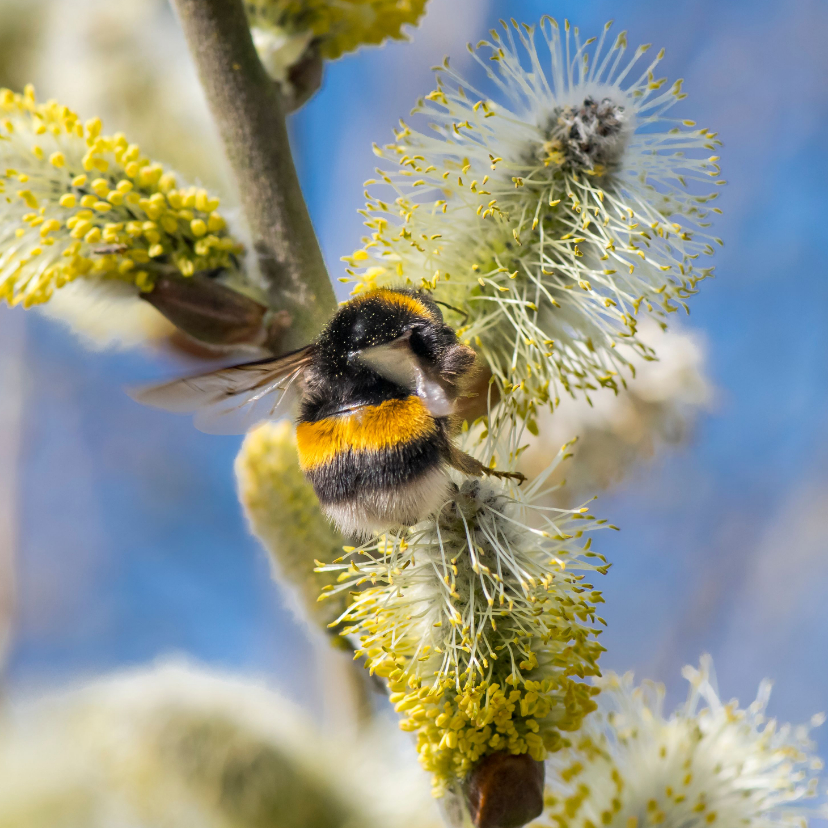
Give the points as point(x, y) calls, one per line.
point(106, 315)
point(615, 432)
point(178, 746)
point(148, 90)
point(709, 763)
point(552, 203)
point(284, 514)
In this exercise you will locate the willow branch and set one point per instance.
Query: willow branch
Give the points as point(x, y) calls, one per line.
point(250, 114)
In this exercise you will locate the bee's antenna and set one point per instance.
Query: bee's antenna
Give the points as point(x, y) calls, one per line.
point(464, 314)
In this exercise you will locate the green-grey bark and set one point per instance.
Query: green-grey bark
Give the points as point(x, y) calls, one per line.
point(250, 114)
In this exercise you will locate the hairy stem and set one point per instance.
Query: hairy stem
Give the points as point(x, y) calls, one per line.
point(250, 114)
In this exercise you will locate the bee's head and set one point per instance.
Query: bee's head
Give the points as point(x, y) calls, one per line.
point(394, 335)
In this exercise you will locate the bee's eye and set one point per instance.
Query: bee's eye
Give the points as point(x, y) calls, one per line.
point(420, 346)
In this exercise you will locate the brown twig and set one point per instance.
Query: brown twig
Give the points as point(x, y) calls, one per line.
point(250, 114)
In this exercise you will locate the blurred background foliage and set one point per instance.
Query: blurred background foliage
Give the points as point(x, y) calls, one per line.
point(120, 526)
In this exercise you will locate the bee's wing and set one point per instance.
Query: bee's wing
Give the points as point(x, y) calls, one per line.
point(230, 400)
point(397, 362)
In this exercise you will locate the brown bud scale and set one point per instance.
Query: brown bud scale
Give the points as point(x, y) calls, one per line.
point(505, 791)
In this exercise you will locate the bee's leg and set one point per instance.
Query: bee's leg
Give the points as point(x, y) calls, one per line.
point(469, 465)
point(503, 475)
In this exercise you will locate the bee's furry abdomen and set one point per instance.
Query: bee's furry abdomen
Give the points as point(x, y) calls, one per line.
point(376, 467)
point(352, 474)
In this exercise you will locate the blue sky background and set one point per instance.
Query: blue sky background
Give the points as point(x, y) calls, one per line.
point(131, 541)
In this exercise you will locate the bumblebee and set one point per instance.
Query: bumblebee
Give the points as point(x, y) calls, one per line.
point(379, 390)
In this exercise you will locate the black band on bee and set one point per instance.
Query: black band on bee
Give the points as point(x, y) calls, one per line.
point(356, 474)
point(374, 446)
point(377, 464)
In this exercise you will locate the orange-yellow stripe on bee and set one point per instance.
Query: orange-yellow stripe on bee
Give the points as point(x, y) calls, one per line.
point(402, 300)
point(372, 428)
